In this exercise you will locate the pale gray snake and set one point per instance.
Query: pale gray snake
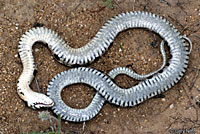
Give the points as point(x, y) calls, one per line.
point(105, 87)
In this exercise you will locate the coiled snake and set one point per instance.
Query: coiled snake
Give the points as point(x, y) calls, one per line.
point(105, 87)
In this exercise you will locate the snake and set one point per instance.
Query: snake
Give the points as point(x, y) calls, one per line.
point(107, 90)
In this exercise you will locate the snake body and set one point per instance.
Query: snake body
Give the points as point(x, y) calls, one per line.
point(105, 87)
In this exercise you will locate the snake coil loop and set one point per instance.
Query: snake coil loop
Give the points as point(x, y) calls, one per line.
point(103, 84)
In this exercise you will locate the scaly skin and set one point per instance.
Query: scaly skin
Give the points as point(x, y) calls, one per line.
point(147, 88)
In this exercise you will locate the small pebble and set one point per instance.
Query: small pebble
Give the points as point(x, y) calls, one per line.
point(102, 114)
point(163, 99)
point(171, 106)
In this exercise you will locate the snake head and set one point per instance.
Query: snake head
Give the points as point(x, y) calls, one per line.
point(38, 100)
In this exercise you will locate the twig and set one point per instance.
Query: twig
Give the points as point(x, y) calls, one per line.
point(175, 120)
point(194, 80)
point(187, 95)
point(52, 125)
point(192, 70)
point(83, 128)
point(145, 6)
point(195, 24)
point(67, 14)
point(176, 21)
point(37, 85)
point(80, 2)
point(192, 105)
point(122, 10)
point(197, 36)
point(99, 10)
point(178, 4)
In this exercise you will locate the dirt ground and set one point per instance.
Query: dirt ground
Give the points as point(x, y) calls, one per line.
point(77, 21)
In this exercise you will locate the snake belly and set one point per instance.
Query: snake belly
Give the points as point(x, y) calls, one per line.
point(147, 88)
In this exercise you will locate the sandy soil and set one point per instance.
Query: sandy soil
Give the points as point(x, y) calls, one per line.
point(78, 21)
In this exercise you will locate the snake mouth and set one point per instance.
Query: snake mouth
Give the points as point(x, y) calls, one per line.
point(40, 104)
